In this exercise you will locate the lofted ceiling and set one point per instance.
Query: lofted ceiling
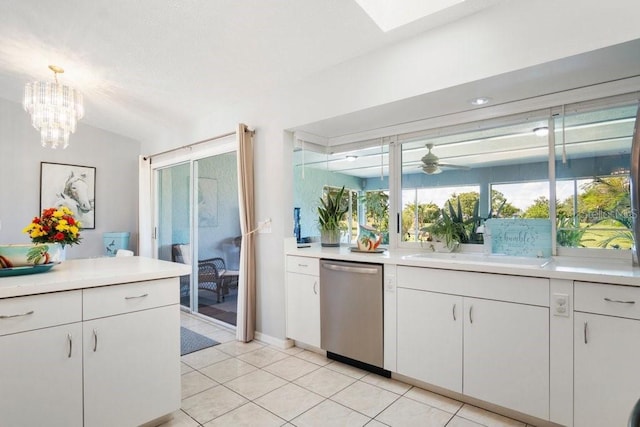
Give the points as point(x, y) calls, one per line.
point(148, 67)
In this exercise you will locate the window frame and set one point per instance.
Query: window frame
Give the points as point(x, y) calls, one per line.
point(395, 176)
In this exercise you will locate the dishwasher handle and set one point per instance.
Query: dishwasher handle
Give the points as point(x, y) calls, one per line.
point(350, 269)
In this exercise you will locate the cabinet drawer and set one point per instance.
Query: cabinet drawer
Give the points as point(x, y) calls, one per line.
point(519, 289)
point(39, 311)
point(118, 299)
point(303, 265)
point(613, 300)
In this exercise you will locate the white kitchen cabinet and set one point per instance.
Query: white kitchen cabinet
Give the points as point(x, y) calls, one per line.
point(131, 352)
point(41, 360)
point(486, 337)
point(606, 349)
point(506, 355)
point(41, 377)
point(104, 356)
point(127, 367)
point(303, 300)
point(430, 337)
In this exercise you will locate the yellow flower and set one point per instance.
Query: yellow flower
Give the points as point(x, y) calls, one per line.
point(52, 225)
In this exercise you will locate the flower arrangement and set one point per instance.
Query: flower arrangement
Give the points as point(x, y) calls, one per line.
point(54, 226)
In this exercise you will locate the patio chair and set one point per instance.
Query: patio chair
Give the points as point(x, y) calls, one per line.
point(209, 276)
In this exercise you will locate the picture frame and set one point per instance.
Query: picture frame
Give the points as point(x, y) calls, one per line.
point(73, 186)
point(207, 202)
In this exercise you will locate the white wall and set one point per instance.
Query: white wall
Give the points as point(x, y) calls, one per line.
point(113, 156)
point(501, 39)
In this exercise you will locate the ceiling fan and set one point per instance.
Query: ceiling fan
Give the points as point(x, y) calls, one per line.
point(431, 163)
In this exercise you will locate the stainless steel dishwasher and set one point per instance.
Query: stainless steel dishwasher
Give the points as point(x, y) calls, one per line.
point(351, 313)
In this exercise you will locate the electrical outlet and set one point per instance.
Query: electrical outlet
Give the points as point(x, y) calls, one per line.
point(560, 305)
point(264, 226)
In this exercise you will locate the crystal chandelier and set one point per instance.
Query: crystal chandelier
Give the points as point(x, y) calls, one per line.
point(55, 109)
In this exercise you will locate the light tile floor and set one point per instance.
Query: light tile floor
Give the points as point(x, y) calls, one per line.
point(255, 384)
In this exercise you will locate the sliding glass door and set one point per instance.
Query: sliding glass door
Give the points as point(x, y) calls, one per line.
point(217, 236)
point(198, 223)
point(173, 230)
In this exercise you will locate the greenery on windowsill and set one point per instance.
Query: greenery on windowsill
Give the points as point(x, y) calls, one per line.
point(331, 211)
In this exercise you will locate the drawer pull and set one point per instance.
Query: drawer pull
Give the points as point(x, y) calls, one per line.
point(303, 265)
point(9, 316)
point(453, 311)
point(70, 341)
point(95, 340)
point(619, 301)
point(137, 296)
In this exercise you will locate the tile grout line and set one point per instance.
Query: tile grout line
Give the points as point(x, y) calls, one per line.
point(292, 381)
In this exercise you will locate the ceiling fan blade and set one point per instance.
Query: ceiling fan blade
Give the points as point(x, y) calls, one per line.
point(446, 165)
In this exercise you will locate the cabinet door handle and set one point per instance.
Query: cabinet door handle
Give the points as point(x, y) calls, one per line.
point(315, 287)
point(453, 311)
point(95, 340)
point(70, 342)
point(137, 296)
point(471, 314)
point(586, 341)
point(9, 316)
point(619, 301)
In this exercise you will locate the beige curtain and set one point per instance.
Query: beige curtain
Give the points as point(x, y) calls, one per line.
point(246, 323)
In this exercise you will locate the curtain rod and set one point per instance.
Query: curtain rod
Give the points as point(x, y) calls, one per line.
point(224, 135)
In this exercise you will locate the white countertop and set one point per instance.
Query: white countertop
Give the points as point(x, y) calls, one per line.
point(570, 268)
point(88, 273)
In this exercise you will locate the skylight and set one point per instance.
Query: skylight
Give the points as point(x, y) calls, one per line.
point(390, 14)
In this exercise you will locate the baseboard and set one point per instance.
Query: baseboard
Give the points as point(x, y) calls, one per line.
point(276, 342)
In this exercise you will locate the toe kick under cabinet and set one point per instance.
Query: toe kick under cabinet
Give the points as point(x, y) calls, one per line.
point(482, 335)
point(101, 356)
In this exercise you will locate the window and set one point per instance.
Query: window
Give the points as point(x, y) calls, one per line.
point(375, 204)
point(363, 171)
point(520, 200)
point(422, 206)
point(593, 156)
point(488, 169)
point(501, 167)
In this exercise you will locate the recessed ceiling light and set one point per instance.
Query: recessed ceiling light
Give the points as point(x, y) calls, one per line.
point(351, 158)
point(390, 14)
point(480, 101)
point(541, 131)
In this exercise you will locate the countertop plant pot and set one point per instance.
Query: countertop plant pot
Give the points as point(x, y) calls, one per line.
point(330, 238)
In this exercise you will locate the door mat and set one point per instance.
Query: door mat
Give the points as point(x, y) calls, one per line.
point(225, 316)
point(192, 341)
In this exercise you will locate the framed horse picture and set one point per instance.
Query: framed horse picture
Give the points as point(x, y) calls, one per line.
point(72, 186)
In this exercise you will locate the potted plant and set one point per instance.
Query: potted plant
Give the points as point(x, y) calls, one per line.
point(450, 228)
point(56, 227)
point(330, 212)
